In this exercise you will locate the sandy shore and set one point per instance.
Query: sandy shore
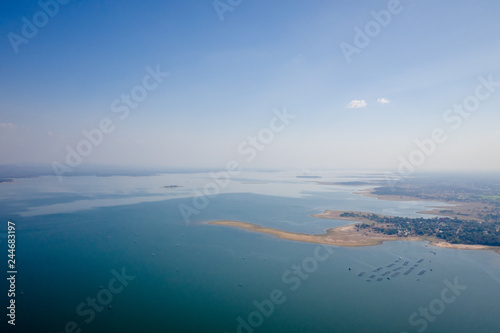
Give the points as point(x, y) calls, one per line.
point(335, 214)
point(341, 236)
point(346, 236)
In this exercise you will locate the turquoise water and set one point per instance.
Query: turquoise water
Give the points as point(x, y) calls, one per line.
point(192, 277)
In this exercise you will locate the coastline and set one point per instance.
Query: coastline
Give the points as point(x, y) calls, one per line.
point(434, 241)
point(346, 236)
point(369, 193)
point(460, 210)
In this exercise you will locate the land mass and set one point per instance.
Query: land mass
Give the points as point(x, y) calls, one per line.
point(471, 197)
point(436, 229)
point(348, 235)
point(471, 220)
point(365, 232)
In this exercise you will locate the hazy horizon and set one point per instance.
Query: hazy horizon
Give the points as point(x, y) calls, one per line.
point(361, 87)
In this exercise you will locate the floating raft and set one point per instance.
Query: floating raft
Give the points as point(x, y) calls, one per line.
point(421, 272)
point(377, 270)
point(388, 272)
point(406, 263)
point(380, 279)
point(390, 265)
point(420, 261)
point(372, 276)
point(397, 269)
point(395, 274)
point(362, 273)
point(409, 271)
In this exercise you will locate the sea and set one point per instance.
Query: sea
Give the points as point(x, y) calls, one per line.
point(136, 254)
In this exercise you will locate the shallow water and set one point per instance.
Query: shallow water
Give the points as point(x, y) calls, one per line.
point(192, 277)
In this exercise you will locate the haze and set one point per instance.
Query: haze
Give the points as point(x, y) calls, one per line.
point(230, 69)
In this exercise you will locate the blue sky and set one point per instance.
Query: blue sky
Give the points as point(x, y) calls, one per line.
point(226, 77)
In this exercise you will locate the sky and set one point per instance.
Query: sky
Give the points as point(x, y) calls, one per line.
point(270, 84)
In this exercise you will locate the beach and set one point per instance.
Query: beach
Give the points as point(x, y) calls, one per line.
point(346, 236)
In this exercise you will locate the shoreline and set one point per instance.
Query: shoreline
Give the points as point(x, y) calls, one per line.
point(460, 210)
point(369, 193)
point(346, 236)
point(434, 241)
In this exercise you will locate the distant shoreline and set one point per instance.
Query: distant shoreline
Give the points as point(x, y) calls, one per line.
point(346, 236)
point(369, 193)
point(458, 210)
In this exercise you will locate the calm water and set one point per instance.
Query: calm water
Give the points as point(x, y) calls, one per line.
point(191, 277)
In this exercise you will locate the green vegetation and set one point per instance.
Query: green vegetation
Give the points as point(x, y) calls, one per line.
point(454, 230)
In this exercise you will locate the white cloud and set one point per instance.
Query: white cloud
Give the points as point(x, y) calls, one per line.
point(357, 103)
point(7, 125)
point(383, 101)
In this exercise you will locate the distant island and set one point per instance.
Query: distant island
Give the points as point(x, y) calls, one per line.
point(6, 180)
point(171, 186)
